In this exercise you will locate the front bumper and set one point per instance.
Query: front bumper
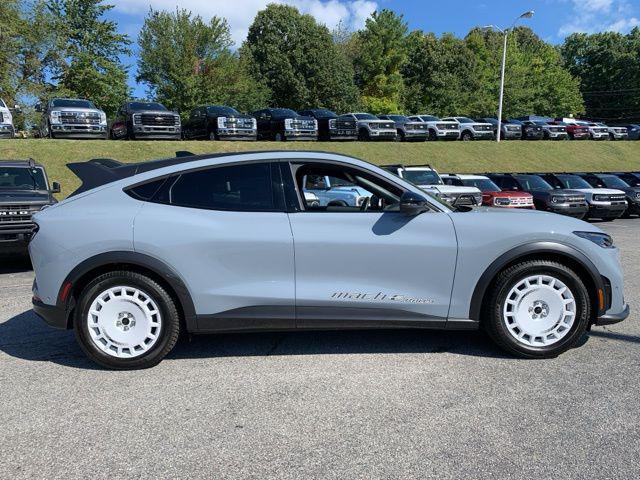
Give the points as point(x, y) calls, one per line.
point(576, 210)
point(237, 134)
point(416, 134)
point(301, 135)
point(509, 135)
point(7, 131)
point(448, 134)
point(620, 136)
point(15, 238)
point(580, 136)
point(612, 318)
point(558, 135)
point(157, 132)
point(483, 135)
point(607, 209)
point(343, 134)
point(383, 134)
point(79, 130)
point(600, 136)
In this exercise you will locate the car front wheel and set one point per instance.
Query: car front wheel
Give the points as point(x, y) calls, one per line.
point(537, 309)
point(467, 137)
point(126, 320)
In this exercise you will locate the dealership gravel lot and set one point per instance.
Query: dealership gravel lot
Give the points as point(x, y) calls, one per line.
point(384, 404)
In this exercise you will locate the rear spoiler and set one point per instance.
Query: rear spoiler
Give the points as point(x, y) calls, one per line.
point(101, 171)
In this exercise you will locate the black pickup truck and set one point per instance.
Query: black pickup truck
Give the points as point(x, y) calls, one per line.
point(285, 124)
point(332, 126)
point(148, 120)
point(218, 122)
point(24, 190)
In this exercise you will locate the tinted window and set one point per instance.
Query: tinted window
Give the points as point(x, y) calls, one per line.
point(240, 188)
point(365, 116)
point(283, 112)
point(429, 118)
point(573, 181)
point(135, 106)
point(464, 120)
point(507, 183)
point(612, 181)
point(22, 178)
point(146, 191)
point(482, 184)
point(323, 114)
point(222, 111)
point(533, 183)
point(64, 102)
point(422, 177)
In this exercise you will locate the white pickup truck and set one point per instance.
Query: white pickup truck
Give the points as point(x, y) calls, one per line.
point(6, 121)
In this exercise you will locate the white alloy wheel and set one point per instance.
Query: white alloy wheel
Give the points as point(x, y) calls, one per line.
point(124, 322)
point(539, 310)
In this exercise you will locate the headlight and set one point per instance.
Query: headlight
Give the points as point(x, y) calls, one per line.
point(54, 117)
point(601, 239)
point(332, 123)
point(374, 125)
point(103, 118)
point(444, 197)
point(222, 122)
point(502, 201)
point(287, 123)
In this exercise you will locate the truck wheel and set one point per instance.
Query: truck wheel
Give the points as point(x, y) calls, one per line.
point(433, 136)
point(125, 320)
point(280, 137)
point(467, 136)
point(212, 135)
point(363, 135)
point(537, 309)
point(400, 137)
point(611, 137)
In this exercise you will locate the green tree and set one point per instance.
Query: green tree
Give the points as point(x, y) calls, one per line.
point(298, 61)
point(11, 24)
point(74, 47)
point(187, 62)
point(379, 55)
point(608, 65)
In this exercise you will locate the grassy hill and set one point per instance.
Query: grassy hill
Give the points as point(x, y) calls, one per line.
point(457, 157)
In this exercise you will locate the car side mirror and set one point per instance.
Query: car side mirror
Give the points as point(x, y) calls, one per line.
point(413, 204)
point(55, 187)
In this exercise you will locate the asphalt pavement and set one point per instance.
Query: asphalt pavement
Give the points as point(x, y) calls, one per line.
point(343, 405)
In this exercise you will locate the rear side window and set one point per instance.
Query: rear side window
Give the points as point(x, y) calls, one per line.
point(146, 191)
point(238, 188)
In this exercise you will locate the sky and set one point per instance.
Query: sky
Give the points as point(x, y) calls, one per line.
point(553, 19)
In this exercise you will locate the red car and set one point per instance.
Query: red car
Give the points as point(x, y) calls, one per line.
point(492, 196)
point(575, 131)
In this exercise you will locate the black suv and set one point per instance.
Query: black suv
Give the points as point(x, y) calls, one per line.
point(217, 122)
point(332, 126)
point(284, 124)
point(148, 120)
point(566, 202)
point(24, 190)
point(529, 131)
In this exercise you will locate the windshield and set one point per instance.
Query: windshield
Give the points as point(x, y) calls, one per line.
point(64, 102)
point(612, 181)
point(482, 184)
point(146, 106)
point(222, 111)
point(398, 118)
point(324, 114)
point(429, 118)
point(422, 177)
point(284, 112)
point(22, 178)
point(464, 120)
point(533, 183)
point(365, 116)
point(573, 181)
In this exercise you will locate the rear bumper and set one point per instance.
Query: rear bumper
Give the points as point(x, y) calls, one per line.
point(611, 318)
point(53, 315)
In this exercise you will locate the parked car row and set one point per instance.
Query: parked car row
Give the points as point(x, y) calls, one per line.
point(78, 118)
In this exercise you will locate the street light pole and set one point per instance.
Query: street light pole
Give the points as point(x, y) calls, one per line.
point(505, 32)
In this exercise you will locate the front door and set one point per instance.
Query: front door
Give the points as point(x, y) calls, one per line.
point(369, 265)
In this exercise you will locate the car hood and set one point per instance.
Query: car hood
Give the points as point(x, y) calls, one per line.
point(452, 189)
point(602, 191)
point(76, 109)
point(388, 123)
point(23, 196)
point(154, 112)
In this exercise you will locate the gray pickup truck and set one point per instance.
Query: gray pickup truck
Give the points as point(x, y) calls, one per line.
point(6, 121)
point(72, 118)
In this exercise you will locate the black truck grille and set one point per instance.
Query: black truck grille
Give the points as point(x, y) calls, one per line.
point(16, 213)
point(157, 120)
point(345, 124)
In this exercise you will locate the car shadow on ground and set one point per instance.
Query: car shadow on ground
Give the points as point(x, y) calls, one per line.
point(27, 337)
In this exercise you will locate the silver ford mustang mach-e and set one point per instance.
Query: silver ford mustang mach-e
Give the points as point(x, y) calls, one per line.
point(219, 243)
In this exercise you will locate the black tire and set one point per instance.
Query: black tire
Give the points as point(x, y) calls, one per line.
point(280, 137)
point(169, 329)
point(400, 137)
point(495, 325)
point(467, 136)
point(213, 135)
point(433, 137)
point(363, 135)
point(545, 136)
point(612, 137)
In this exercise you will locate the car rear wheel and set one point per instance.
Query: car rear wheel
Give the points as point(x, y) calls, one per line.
point(126, 320)
point(537, 309)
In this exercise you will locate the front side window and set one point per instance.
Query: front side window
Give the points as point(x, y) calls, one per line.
point(237, 188)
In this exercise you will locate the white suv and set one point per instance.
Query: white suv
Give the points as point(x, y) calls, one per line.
point(439, 129)
point(472, 130)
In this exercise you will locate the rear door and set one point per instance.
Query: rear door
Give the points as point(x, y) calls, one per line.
point(224, 229)
point(367, 267)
